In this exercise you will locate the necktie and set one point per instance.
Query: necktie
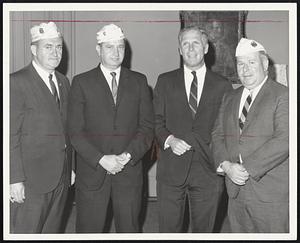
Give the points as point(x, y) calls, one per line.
point(54, 90)
point(244, 113)
point(114, 87)
point(193, 95)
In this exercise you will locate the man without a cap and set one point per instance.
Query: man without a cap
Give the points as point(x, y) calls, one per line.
point(251, 146)
point(40, 151)
point(111, 127)
point(186, 103)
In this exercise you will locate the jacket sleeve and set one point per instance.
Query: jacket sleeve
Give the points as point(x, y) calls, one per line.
point(17, 114)
point(275, 150)
point(219, 150)
point(143, 138)
point(75, 126)
point(161, 131)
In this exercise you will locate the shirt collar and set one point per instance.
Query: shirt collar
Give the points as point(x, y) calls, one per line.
point(255, 91)
point(201, 71)
point(43, 73)
point(107, 72)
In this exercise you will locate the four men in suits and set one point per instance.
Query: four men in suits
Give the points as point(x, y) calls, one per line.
point(251, 145)
point(186, 104)
point(40, 151)
point(111, 123)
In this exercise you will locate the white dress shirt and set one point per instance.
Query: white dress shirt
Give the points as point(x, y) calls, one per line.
point(45, 77)
point(188, 79)
point(108, 76)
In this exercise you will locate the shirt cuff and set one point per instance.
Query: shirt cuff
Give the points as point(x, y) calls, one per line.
point(240, 157)
point(220, 170)
point(166, 145)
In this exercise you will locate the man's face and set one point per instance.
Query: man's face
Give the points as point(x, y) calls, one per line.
point(252, 69)
point(111, 53)
point(192, 49)
point(47, 53)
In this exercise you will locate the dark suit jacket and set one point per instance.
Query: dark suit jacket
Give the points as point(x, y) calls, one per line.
point(99, 127)
point(173, 116)
point(37, 131)
point(263, 144)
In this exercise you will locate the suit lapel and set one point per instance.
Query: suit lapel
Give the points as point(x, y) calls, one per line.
point(42, 89)
point(180, 88)
point(122, 85)
point(207, 92)
point(62, 91)
point(235, 103)
point(254, 109)
point(101, 81)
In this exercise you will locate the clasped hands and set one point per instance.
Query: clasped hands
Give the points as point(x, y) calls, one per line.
point(178, 146)
point(113, 164)
point(236, 172)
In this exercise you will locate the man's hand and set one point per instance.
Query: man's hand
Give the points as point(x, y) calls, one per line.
point(73, 176)
point(110, 164)
point(236, 172)
point(178, 146)
point(17, 192)
point(123, 158)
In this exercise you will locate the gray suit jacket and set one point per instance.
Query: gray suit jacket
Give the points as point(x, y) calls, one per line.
point(263, 144)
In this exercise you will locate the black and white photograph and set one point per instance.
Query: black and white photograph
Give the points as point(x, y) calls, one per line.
point(149, 121)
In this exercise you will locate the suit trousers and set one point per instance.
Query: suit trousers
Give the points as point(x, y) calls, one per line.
point(40, 212)
point(253, 216)
point(203, 200)
point(91, 206)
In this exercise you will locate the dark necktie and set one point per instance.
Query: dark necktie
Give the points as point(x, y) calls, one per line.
point(54, 90)
point(193, 95)
point(244, 113)
point(114, 87)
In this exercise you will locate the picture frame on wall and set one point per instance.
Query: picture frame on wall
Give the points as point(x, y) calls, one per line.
point(224, 29)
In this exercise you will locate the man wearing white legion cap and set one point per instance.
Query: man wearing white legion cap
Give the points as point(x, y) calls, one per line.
point(40, 151)
point(111, 127)
point(251, 146)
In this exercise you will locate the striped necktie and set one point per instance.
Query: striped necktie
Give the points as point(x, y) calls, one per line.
point(193, 95)
point(54, 90)
point(244, 113)
point(114, 87)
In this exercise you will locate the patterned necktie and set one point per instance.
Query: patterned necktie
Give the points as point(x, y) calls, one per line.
point(114, 87)
point(193, 95)
point(54, 90)
point(244, 113)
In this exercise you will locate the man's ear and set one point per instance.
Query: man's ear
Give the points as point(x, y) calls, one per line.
point(265, 63)
point(206, 48)
point(179, 49)
point(33, 49)
point(98, 49)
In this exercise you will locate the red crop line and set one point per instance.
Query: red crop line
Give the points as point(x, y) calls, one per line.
point(97, 21)
point(146, 21)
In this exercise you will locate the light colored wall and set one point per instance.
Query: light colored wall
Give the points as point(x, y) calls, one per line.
point(271, 29)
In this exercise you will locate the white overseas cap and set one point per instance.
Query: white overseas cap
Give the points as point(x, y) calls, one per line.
point(110, 32)
point(44, 31)
point(247, 46)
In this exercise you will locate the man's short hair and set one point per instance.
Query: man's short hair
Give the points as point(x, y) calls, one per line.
point(204, 36)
